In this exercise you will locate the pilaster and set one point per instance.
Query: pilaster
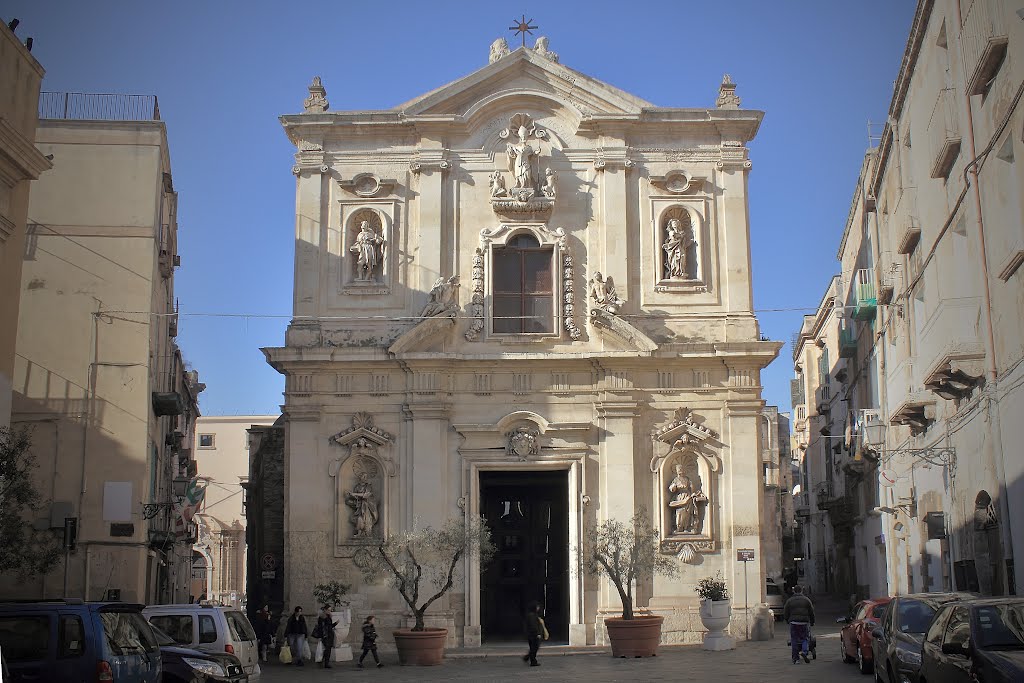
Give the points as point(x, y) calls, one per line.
point(428, 475)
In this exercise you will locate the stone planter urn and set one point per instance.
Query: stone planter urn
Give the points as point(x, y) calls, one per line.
point(636, 637)
point(715, 615)
point(342, 650)
point(420, 648)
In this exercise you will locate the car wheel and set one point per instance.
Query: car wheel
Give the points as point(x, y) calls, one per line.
point(866, 666)
point(842, 651)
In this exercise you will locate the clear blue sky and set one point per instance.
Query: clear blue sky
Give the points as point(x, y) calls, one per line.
point(225, 70)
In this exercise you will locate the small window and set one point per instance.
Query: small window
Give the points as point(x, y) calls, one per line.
point(126, 633)
point(25, 638)
point(72, 636)
point(240, 628)
point(177, 626)
point(207, 629)
point(958, 630)
point(938, 625)
point(206, 441)
point(878, 610)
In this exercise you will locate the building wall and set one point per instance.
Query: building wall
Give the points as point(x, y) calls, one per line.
point(94, 345)
point(20, 163)
point(448, 394)
point(225, 466)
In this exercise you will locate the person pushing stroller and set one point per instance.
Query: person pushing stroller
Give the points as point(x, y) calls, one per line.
point(799, 614)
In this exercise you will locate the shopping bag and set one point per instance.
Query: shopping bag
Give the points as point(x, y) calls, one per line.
point(543, 629)
point(305, 649)
point(286, 655)
point(319, 652)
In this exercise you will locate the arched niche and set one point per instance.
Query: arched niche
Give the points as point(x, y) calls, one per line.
point(680, 241)
point(367, 252)
point(363, 477)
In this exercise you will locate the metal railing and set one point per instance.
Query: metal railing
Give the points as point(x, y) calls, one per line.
point(78, 106)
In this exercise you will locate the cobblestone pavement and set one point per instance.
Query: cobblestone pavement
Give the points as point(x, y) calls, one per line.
point(750, 661)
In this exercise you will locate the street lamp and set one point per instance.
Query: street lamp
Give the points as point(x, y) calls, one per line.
point(873, 429)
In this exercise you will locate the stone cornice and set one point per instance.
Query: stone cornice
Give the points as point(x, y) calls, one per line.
point(19, 158)
point(617, 408)
point(427, 411)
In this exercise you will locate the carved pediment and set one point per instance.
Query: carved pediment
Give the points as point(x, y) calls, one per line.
point(684, 434)
point(362, 428)
point(525, 70)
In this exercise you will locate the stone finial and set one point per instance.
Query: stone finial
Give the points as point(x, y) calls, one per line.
point(727, 97)
point(317, 101)
point(499, 49)
point(541, 48)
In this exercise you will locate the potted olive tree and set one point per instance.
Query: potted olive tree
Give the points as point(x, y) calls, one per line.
point(628, 553)
point(715, 612)
point(427, 560)
point(333, 595)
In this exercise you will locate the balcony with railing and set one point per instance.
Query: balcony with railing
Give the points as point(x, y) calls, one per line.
point(847, 341)
point(80, 106)
point(944, 133)
point(864, 289)
point(983, 41)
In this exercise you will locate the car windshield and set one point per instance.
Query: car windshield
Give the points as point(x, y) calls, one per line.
point(162, 639)
point(914, 616)
point(1001, 627)
point(240, 628)
point(127, 633)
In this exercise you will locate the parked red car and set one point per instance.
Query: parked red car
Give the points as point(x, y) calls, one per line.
point(855, 638)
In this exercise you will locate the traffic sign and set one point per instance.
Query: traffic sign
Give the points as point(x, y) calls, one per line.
point(268, 562)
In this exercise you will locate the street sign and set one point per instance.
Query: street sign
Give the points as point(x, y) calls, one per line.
point(269, 574)
point(268, 562)
point(887, 478)
point(745, 555)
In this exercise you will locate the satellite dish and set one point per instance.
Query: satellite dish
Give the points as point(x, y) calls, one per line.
point(887, 478)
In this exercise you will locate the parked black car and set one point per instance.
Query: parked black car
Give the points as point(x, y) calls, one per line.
point(896, 643)
point(185, 665)
point(979, 640)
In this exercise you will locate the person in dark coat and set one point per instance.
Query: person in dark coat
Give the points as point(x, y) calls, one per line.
point(326, 629)
point(799, 614)
point(369, 641)
point(264, 631)
point(533, 633)
point(296, 632)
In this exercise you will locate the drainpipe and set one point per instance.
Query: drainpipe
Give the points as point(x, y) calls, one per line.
point(990, 340)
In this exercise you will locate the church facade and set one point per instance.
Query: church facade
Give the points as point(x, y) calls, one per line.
point(527, 295)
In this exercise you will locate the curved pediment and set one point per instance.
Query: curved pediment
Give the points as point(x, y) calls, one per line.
point(524, 70)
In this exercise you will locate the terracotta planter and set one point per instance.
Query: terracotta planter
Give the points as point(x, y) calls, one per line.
point(636, 637)
point(420, 648)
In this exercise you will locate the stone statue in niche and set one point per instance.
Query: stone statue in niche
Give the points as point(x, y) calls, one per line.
point(530, 194)
point(688, 503)
point(444, 300)
point(602, 292)
point(499, 49)
point(677, 244)
point(369, 250)
point(364, 507)
point(520, 160)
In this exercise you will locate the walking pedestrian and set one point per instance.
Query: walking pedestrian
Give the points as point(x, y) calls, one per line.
point(534, 630)
point(325, 627)
point(369, 641)
point(799, 614)
point(296, 632)
point(263, 631)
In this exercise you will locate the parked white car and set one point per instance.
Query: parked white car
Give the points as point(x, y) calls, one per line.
point(209, 628)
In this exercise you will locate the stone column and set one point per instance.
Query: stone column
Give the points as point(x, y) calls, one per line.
point(617, 421)
point(428, 463)
point(742, 512)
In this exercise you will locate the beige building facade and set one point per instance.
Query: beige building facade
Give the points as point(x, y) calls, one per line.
point(98, 373)
point(932, 293)
point(527, 295)
point(20, 163)
point(221, 447)
point(777, 519)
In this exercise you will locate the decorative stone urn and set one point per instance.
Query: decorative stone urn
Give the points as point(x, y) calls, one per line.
point(343, 619)
point(420, 648)
point(715, 615)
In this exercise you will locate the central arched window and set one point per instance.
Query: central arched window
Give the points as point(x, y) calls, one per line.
point(523, 287)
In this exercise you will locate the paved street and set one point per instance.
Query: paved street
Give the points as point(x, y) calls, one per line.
point(754, 661)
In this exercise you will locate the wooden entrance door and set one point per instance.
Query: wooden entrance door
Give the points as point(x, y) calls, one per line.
point(528, 513)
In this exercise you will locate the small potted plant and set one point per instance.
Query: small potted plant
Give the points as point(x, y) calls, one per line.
point(427, 558)
point(333, 595)
point(715, 611)
point(627, 553)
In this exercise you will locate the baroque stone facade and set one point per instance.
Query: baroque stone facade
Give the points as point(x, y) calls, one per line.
point(603, 358)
